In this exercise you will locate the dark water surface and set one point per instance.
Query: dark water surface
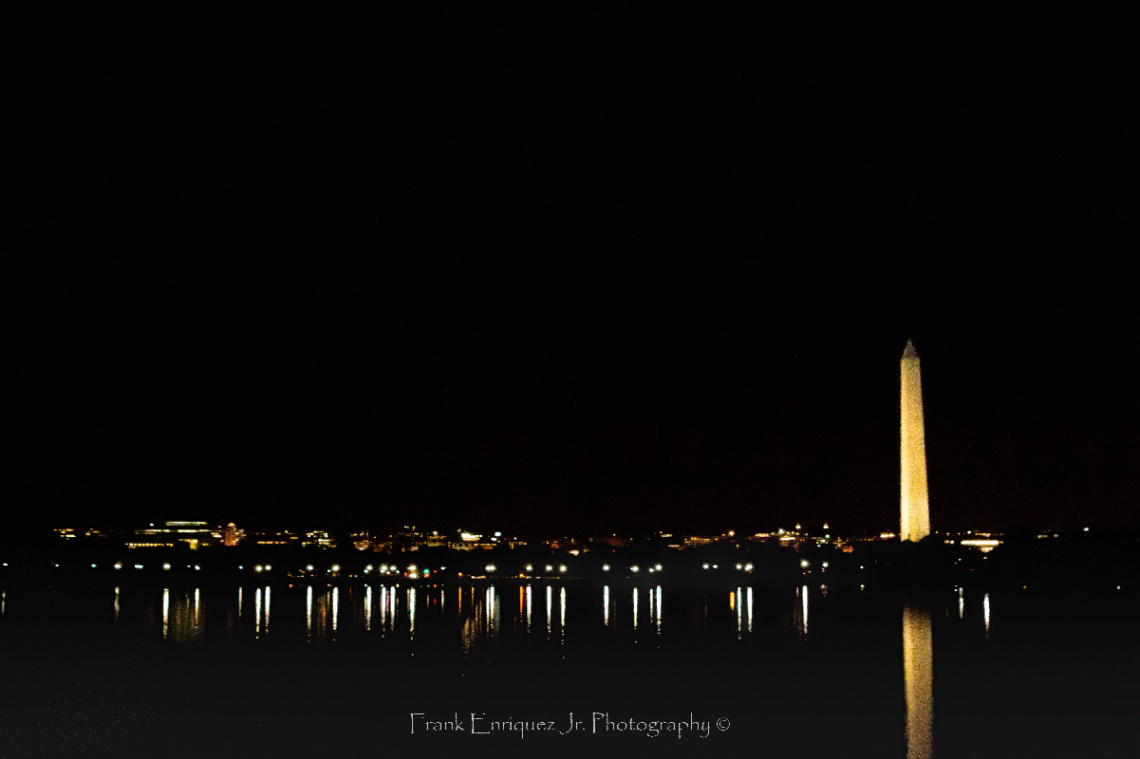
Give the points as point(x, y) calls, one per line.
point(279, 669)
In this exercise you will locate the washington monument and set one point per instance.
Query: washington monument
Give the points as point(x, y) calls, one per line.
point(915, 508)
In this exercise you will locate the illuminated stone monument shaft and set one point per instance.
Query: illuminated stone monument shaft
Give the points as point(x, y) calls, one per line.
point(915, 508)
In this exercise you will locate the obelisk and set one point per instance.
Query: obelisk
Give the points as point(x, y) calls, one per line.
point(915, 508)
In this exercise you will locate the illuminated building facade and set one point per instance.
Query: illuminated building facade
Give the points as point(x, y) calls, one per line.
point(914, 506)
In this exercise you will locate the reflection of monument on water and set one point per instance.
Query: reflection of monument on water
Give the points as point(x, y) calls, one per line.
point(918, 682)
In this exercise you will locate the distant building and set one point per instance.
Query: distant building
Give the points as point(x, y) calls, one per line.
point(611, 540)
point(194, 534)
point(230, 535)
point(319, 538)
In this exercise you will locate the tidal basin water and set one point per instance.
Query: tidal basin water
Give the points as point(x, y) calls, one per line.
point(301, 669)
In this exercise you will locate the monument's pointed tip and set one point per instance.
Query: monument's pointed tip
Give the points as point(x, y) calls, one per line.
point(910, 352)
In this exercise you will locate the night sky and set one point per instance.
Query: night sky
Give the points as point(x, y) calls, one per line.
point(574, 283)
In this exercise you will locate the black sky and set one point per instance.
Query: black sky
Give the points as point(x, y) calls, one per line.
point(575, 282)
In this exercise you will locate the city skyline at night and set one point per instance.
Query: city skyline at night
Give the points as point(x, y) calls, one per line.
point(368, 387)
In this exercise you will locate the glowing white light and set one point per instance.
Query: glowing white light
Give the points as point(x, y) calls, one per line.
point(336, 607)
point(549, 568)
point(606, 605)
point(635, 608)
point(309, 568)
point(634, 568)
point(657, 598)
point(336, 568)
point(93, 566)
point(561, 567)
point(164, 566)
point(826, 565)
point(736, 601)
point(805, 602)
point(138, 566)
point(411, 611)
point(257, 568)
point(605, 567)
point(165, 612)
point(658, 567)
point(490, 567)
point(739, 565)
point(268, 567)
point(804, 563)
point(705, 565)
point(986, 611)
point(197, 568)
point(549, 609)
point(749, 608)
point(530, 567)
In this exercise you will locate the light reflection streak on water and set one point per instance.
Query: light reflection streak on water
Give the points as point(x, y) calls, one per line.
point(493, 612)
point(918, 676)
point(3, 601)
point(383, 607)
point(658, 598)
point(257, 614)
point(239, 602)
point(562, 614)
point(986, 611)
point(116, 603)
point(528, 601)
point(411, 612)
point(749, 608)
point(739, 607)
point(961, 603)
point(800, 613)
point(805, 602)
point(606, 605)
point(196, 617)
point(549, 610)
point(635, 608)
point(368, 609)
point(309, 613)
point(522, 600)
point(470, 625)
point(335, 608)
point(165, 612)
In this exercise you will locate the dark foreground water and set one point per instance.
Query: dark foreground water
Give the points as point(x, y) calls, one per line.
point(94, 669)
